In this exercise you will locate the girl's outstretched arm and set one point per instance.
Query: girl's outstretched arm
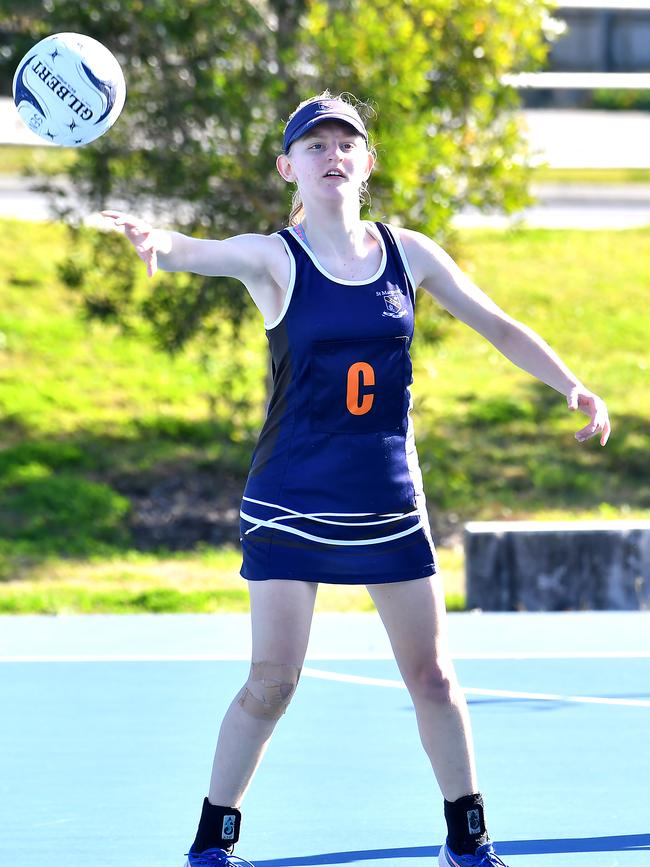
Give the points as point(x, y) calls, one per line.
point(245, 257)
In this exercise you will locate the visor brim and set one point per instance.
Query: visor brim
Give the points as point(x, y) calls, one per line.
point(306, 127)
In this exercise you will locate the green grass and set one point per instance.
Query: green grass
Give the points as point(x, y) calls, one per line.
point(203, 581)
point(591, 176)
point(89, 417)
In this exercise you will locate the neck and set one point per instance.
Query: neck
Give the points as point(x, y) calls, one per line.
point(334, 232)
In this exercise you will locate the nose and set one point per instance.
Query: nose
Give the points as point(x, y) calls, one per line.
point(335, 151)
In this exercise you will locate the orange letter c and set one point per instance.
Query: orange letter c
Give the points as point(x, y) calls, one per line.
point(359, 373)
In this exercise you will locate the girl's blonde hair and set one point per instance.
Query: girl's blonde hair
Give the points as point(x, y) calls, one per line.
point(297, 209)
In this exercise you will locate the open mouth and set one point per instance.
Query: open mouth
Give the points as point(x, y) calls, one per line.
point(334, 173)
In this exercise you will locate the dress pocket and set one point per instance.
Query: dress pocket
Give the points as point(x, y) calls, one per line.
point(360, 386)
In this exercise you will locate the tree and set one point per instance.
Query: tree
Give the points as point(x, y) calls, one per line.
point(447, 128)
point(210, 83)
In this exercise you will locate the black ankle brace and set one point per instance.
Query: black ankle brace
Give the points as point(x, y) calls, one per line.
point(466, 824)
point(218, 827)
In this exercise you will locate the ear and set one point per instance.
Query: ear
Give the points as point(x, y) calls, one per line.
point(284, 167)
point(370, 166)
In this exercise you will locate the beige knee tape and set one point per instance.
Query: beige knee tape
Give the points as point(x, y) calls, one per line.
point(268, 690)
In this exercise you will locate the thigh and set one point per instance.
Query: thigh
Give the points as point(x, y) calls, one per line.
point(281, 615)
point(414, 615)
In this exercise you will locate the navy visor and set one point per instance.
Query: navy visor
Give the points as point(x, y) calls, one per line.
point(316, 112)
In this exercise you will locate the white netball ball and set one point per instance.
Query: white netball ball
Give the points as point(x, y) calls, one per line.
point(69, 89)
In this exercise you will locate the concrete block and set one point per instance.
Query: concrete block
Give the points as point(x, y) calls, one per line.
point(557, 566)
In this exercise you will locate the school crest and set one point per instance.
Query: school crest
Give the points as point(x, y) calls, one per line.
point(394, 306)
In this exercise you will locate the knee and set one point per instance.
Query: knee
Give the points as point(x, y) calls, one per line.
point(434, 683)
point(268, 690)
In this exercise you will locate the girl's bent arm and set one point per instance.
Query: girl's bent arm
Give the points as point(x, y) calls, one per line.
point(436, 272)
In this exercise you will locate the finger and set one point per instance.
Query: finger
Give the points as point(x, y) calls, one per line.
point(152, 264)
point(128, 221)
point(607, 429)
point(587, 431)
point(572, 399)
point(138, 228)
point(119, 218)
point(606, 432)
point(146, 245)
point(131, 225)
point(140, 239)
point(596, 425)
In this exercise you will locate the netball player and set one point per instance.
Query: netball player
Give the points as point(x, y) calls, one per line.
point(334, 492)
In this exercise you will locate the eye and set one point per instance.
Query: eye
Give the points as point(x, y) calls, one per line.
point(316, 145)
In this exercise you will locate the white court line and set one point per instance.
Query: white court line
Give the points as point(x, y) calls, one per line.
point(557, 654)
point(130, 657)
point(244, 656)
point(501, 693)
point(373, 681)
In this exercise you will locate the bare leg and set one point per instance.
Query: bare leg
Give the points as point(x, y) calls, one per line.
point(414, 615)
point(281, 615)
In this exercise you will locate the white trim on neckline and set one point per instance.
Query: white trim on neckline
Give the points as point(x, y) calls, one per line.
point(374, 231)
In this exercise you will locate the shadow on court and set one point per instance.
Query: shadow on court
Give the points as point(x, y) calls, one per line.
point(510, 847)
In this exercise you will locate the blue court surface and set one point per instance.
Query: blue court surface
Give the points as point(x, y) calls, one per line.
point(108, 728)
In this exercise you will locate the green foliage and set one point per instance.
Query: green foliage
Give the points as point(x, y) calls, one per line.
point(74, 513)
point(446, 130)
point(102, 269)
point(35, 160)
point(621, 100)
point(47, 500)
point(210, 84)
point(498, 411)
point(48, 454)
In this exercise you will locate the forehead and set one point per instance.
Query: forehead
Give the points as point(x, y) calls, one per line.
point(331, 127)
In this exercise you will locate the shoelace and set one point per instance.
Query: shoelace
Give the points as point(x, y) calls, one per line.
point(217, 858)
point(485, 857)
point(489, 857)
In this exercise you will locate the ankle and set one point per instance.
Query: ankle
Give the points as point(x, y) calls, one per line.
point(466, 829)
point(218, 828)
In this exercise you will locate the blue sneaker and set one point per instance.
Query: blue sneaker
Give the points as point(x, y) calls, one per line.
point(485, 856)
point(215, 858)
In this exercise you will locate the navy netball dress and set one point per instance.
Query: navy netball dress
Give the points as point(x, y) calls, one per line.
point(334, 492)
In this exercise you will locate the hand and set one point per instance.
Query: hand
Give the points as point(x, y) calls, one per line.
point(140, 234)
point(594, 407)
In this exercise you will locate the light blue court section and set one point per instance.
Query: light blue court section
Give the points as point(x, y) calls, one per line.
point(333, 636)
point(108, 728)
